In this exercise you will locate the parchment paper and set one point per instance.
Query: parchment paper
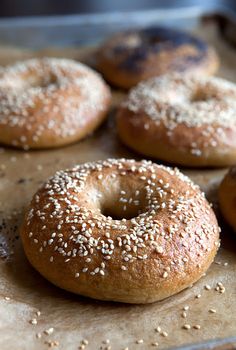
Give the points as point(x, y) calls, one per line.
point(23, 292)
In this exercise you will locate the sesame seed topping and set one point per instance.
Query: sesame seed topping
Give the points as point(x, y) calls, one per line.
point(207, 104)
point(75, 224)
point(49, 91)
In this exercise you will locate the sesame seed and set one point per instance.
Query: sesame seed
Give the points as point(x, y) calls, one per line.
point(33, 321)
point(212, 311)
point(197, 326)
point(186, 326)
point(159, 250)
point(49, 331)
point(164, 334)
point(158, 329)
point(165, 274)
point(207, 287)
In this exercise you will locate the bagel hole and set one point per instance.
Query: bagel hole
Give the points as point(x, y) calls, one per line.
point(42, 81)
point(199, 96)
point(118, 209)
point(119, 214)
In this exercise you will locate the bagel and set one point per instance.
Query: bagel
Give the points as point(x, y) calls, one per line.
point(181, 119)
point(227, 197)
point(50, 102)
point(120, 230)
point(134, 55)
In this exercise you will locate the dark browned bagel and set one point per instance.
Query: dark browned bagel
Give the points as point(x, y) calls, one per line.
point(134, 55)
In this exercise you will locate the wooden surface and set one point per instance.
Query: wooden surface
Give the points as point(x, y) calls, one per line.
point(75, 318)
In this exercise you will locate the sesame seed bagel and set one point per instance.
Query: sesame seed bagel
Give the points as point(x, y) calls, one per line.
point(182, 120)
point(227, 197)
point(50, 102)
point(134, 55)
point(120, 230)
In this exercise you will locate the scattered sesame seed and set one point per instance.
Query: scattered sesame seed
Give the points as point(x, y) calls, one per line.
point(164, 334)
point(84, 342)
point(186, 326)
point(33, 321)
point(49, 331)
point(212, 311)
point(155, 344)
point(197, 326)
point(207, 287)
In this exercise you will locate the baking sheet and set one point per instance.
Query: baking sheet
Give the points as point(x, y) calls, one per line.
point(74, 319)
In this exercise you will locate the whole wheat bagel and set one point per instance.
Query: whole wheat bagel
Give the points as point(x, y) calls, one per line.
point(121, 230)
point(50, 102)
point(227, 197)
point(180, 119)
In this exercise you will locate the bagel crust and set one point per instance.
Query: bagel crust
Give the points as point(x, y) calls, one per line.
point(120, 230)
point(50, 102)
point(134, 55)
point(227, 197)
point(182, 120)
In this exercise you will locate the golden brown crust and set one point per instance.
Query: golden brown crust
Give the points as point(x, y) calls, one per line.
point(132, 56)
point(50, 102)
point(227, 197)
point(182, 120)
point(169, 239)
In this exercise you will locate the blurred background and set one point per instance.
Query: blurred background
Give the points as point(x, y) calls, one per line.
point(13, 8)
point(36, 24)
